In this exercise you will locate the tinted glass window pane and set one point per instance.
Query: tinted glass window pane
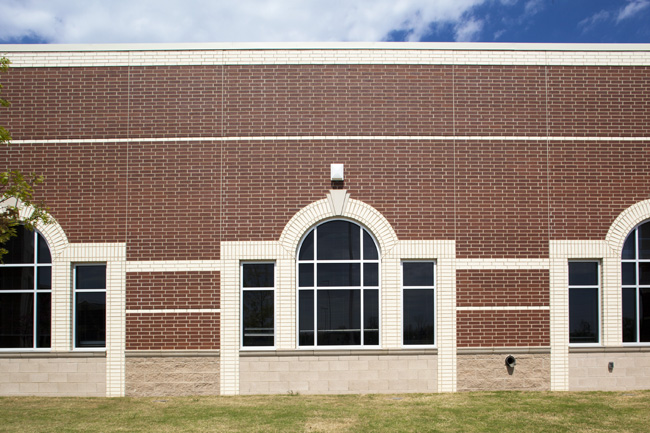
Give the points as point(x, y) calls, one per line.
point(306, 317)
point(583, 273)
point(43, 319)
point(418, 273)
point(629, 247)
point(16, 320)
point(369, 247)
point(44, 281)
point(338, 240)
point(339, 317)
point(91, 319)
point(258, 318)
point(339, 274)
point(20, 247)
point(306, 275)
point(628, 273)
point(644, 315)
point(418, 316)
point(583, 316)
point(629, 315)
point(307, 248)
point(17, 278)
point(43, 250)
point(91, 277)
point(371, 317)
point(371, 274)
point(258, 274)
point(644, 241)
point(644, 274)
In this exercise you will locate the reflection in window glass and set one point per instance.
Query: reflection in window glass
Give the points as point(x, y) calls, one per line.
point(90, 306)
point(635, 277)
point(258, 304)
point(584, 289)
point(339, 262)
point(25, 292)
point(418, 303)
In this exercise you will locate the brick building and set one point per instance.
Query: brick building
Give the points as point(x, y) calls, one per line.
point(236, 218)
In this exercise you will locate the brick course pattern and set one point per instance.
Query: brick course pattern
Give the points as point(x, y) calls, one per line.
point(172, 331)
point(510, 328)
point(172, 290)
point(502, 288)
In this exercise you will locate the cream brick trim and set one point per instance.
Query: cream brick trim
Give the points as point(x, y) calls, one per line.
point(175, 311)
point(337, 138)
point(508, 264)
point(625, 223)
point(321, 210)
point(533, 308)
point(173, 266)
point(340, 53)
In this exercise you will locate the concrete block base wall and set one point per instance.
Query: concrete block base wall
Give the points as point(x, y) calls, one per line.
point(53, 376)
point(589, 371)
point(337, 373)
point(161, 374)
point(488, 372)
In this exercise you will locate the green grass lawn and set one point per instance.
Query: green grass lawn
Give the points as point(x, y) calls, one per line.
point(462, 412)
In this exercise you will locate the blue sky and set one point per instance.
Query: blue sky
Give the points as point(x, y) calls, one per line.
point(143, 21)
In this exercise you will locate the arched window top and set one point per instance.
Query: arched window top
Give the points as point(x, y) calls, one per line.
point(637, 244)
point(27, 247)
point(338, 240)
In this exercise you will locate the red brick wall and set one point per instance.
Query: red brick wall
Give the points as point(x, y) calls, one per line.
point(172, 331)
point(338, 100)
point(492, 197)
point(499, 100)
point(592, 183)
point(59, 103)
point(173, 201)
point(501, 199)
point(599, 101)
point(515, 328)
point(169, 290)
point(502, 288)
point(266, 183)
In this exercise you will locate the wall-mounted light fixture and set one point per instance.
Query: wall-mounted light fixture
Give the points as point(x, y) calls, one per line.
point(511, 361)
point(337, 172)
point(610, 367)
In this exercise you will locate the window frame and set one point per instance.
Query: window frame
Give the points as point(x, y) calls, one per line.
point(637, 286)
point(599, 292)
point(242, 289)
point(435, 303)
point(74, 306)
point(361, 288)
point(35, 265)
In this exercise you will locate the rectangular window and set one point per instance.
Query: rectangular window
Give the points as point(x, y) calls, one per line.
point(90, 306)
point(258, 306)
point(584, 302)
point(418, 302)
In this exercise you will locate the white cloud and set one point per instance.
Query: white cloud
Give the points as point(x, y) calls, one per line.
point(589, 23)
point(467, 30)
point(98, 21)
point(631, 9)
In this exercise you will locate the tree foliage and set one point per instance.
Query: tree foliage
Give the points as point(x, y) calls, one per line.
point(16, 191)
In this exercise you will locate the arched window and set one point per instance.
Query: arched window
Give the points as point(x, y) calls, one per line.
point(26, 292)
point(338, 286)
point(635, 273)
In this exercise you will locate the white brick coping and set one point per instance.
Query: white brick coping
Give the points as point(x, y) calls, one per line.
point(326, 53)
point(337, 352)
point(172, 353)
point(58, 354)
point(502, 350)
point(609, 349)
